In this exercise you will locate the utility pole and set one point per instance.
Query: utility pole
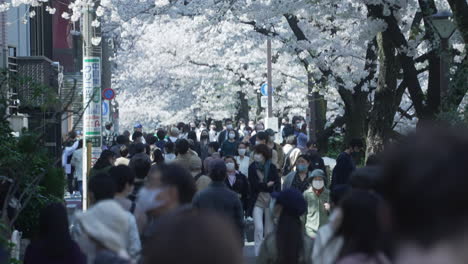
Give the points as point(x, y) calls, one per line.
point(92, 118)
point(270, 85)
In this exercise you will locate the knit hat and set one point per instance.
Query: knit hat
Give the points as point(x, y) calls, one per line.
point(107, 222)
point(292, 201)
point(317, 173)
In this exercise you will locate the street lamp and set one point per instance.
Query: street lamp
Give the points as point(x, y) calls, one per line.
point(443, 24)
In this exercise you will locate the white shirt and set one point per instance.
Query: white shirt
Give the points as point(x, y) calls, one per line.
point(243, 164)
point(77, 162)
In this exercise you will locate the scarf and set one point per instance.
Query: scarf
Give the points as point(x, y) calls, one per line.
point(265, 168)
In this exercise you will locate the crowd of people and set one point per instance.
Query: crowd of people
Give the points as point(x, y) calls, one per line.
point(186, 193)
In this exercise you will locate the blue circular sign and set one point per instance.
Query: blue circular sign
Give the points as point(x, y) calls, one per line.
point(108, 94)
point(105, 108)
point(264, 89)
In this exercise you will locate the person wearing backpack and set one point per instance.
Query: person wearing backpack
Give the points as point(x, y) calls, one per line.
point(292, 153)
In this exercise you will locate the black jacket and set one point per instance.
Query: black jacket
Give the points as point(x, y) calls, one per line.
point(218, 198)
point(343, 169)
point(241, 187)
point(223, 136)
point(256, 186)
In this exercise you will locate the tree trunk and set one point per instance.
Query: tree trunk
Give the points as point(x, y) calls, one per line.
point(385, 101)
point(243, 109)
point(356, 110)
point(311, 113)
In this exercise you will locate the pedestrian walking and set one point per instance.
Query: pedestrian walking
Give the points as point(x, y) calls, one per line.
point(292, 152)
point(289, 244)
point(237, 182)
point(121, 141)
point(299, 179)
point(263, 178)
point(123, 159)
point(169, 152)
point(54, 244)
point(345, 164)
point(226, 133)
point(109, 136)
point(318, 203)
point(229, 146)
point(70, 145)
point(178, 240)
point(204, 141)
point(243, 159)
point(77, 163)
point(220, 199)
point(103, 164)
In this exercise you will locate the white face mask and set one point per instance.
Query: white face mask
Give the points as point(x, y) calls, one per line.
point(229, 126)
point(318, 184)
point(232, 136)
point(257, 143)
point(147, 199)
point(258, 157)
point(299, 125)
point(230, 166)
point(242, 152)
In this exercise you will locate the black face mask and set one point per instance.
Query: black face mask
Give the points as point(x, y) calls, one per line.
point(204, 136)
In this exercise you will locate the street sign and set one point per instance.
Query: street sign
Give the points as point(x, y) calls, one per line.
point(108, 94)
point(264, 102)
point(264, 89)
point(105, 108)
point(92, 130)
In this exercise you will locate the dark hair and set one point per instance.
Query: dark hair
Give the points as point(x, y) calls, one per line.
point(263, 136)
point(158, 157)
point(356, 142)
point(136, 134)
point(126, 133)
point(425, 183)
point(246, 144)
point(218, 173)
point(311, 143)
point(177, 241)
point(152, 139)
point(360, 228)
point(180, 178)
point(161, 134)
point(72, 134)
point(80, 144)
point(102, 186)
point(148, 149)
point(366, 178)
point(54, 231)
point(103, 160)
point(236, 165)
point(289, 238)
point(182, 146)
point(122, 140)
point(227, 120)
point(169, 146)
point(122, 175)
point(192, 135)
point(303, 156)
point(123, 151)
point(264, 150)
point(291, 140)
point(141, 168)
point(140, 147)
point(214, 145)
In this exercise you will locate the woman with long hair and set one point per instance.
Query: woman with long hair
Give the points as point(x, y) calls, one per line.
point(289, 244)
point(361, 231)
point(104, 163)
point(54, 244)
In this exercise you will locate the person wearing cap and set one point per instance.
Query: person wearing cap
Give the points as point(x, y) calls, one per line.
point(318, 203)
point(289, 243)
point(219, 199)
point(139, 128)
point(299, 179)
point(108, 136)
point(104, 227)
point(276, 147)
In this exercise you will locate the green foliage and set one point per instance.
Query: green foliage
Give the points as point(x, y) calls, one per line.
point(335, 146)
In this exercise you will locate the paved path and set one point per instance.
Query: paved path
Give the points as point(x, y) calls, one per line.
point(249, 253)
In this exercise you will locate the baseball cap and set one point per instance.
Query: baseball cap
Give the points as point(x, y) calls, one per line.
point(292, 201)
point(138, 125)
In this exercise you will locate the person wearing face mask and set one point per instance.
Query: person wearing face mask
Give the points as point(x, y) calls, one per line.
point(299, 179)
point(219, 198)
point(242, 159)
point(318, 203)
point(225, 134)
point(263, 178)
point(258, 128)
point(247, 134)
point(300, 131)
point(262, 137)
point(229, 147)
point(289, 244)
point(237, 182)
point(169, 190)
point(213, 133)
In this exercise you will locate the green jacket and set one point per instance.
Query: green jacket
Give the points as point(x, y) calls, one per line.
point(269, 253)
point(316, 215)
